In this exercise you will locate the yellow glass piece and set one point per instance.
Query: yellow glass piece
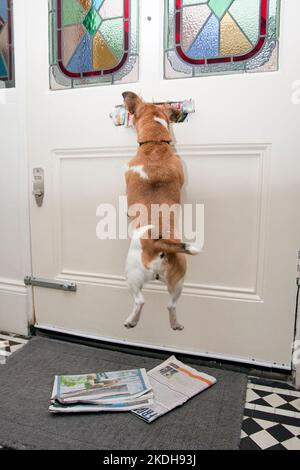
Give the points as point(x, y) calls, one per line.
point(103, 57)
point(232, 39)
point(86, 4)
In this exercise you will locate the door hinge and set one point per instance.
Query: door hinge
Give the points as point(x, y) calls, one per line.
point(50, 284)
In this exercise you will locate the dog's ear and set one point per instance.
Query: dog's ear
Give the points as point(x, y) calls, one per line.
point(172, 113)
point(131, 101)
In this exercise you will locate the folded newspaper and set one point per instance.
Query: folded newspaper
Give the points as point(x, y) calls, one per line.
point(173, 383)
point(104, 391)
point(148, 396)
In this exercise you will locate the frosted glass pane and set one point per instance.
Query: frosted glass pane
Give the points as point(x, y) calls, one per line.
point(7, 79)
point(92, 42)
point(220, 36)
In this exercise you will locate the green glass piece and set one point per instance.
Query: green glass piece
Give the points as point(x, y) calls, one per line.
point(113, 33)
point(134, 46)
point(92, 81)
point(53, 39)
point(274, 18)
point(219, 7)
point(246, 14)
point(169, 23)
point(72, 12)
point(51, 5)
point(92, 21)
point(224, 69)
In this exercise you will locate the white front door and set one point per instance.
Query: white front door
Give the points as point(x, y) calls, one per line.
point(241, 153)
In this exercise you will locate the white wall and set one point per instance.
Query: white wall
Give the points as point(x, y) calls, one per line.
point(15, 301)
point(297, 349)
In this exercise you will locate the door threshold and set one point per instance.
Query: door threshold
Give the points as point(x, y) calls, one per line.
point(250, 369)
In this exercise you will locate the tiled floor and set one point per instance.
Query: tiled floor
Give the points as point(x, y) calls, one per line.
point(271, 417)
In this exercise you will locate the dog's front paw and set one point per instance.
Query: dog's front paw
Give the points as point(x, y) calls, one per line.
point(177, 327)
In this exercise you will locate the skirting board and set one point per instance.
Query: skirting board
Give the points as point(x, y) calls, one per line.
point(14, 307)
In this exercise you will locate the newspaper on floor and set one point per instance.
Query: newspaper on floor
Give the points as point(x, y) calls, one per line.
point(57, 407)
point(102, 391)
point(173, 383)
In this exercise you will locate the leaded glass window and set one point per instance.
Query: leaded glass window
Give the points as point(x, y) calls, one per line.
point(220, 36)
point(6, 45)
point(93, 42)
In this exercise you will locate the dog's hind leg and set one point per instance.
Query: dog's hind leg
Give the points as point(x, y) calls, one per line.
point(175, 293)
point(139, 301)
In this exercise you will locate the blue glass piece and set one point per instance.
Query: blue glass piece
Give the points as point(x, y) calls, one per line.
point(206, 43)
point(81, 60)
point(97, 4)
point(3, 10)
point(3, 71)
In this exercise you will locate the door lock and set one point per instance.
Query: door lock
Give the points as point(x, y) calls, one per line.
point(38, 186)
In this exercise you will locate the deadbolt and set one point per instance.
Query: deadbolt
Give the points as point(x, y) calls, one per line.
point(38, 186)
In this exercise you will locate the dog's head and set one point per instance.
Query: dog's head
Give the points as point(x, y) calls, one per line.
point(151, 121)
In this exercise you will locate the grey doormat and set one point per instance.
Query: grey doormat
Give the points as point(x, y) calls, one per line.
point(211, 420)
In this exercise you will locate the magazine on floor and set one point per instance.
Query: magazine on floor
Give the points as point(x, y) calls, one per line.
point(101, 391)
point(57, 407)
point(173, 383)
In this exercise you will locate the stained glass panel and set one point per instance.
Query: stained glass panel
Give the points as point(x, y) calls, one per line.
point(6, 45)
point(93, 42)
point(206, 37)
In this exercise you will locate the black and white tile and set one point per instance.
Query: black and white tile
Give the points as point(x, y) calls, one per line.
point(10, 344)
point(271, 417)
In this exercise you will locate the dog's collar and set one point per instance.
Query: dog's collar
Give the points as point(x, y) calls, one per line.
point(155, 142)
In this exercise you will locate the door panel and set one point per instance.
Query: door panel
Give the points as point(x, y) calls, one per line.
point(240, 152)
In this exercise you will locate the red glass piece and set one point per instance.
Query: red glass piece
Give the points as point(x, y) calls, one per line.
point(185, 57)
point(125, 56)
point(252, 53)
point(178, 29)
point(219, 60)
point(178, 4)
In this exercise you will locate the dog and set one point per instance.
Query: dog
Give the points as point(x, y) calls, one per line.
point(154, 177)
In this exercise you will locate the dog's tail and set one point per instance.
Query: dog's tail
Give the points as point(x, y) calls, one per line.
point(165, 245)
point(175, 246)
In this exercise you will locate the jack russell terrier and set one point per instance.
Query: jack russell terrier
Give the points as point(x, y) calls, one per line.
point(154, 177)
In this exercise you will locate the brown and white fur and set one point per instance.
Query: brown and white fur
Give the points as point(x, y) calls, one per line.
point(154, 176)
